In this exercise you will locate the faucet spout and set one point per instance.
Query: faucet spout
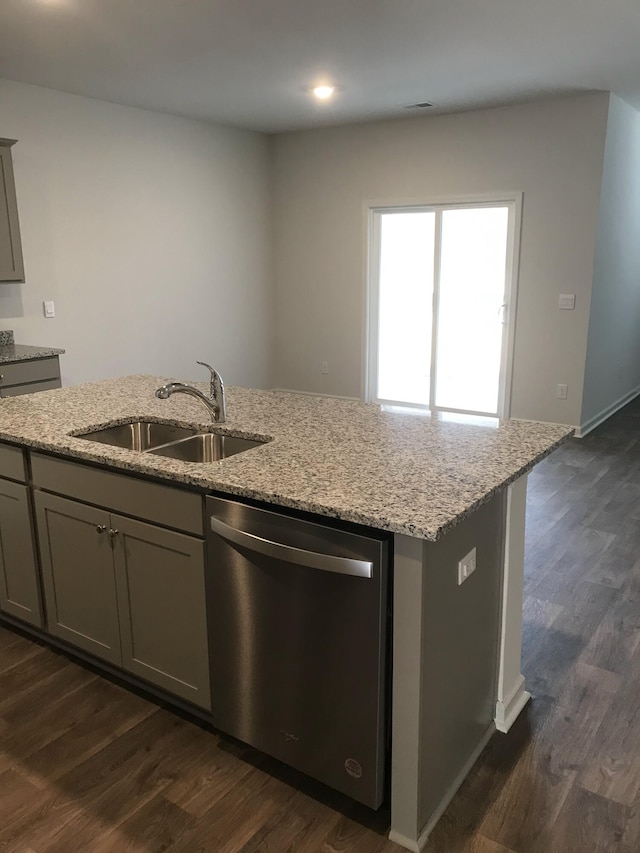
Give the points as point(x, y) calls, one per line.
point(215, 404)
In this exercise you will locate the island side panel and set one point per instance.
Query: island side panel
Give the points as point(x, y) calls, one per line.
point(406, 689)
point(512, 697)
point(444, 701)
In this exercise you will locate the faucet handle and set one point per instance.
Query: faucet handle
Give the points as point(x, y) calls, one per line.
point(217, 385)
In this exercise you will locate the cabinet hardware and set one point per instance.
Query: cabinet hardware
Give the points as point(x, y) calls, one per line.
point(113, 532)
point(299, 556)
point(100, 528)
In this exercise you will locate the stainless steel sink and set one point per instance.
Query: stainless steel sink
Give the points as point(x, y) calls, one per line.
point(206, 447)
point(185, 443)
point(138, 435)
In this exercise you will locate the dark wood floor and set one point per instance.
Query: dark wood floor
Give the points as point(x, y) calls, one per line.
point(87, 767)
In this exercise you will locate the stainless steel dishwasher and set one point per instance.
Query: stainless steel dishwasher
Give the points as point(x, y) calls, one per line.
point(297, 633)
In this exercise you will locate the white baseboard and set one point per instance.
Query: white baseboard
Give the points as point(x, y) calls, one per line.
point(403, 841)
point(507, 712)
point(316, 394)
point(602, 416)
point(418, 845)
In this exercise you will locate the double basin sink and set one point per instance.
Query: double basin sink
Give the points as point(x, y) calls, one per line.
point(188, 444)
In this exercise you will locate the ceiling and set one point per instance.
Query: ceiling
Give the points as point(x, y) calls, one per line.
point(251, 63)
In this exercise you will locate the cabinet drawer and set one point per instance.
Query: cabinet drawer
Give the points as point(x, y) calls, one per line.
point(29, 388)
point(32, 370)
point(129, 495)
point(12, 462)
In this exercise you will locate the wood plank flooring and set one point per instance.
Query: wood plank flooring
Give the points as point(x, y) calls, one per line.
point(88, 767)
point(85, 765)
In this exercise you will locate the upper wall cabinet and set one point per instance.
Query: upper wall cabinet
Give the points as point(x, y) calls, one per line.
point(11, 266)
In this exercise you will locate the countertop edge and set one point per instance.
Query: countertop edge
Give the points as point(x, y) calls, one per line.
point(28, 353)
point(190, 478)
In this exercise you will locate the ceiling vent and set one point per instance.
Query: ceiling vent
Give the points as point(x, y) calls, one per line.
point(423, 106)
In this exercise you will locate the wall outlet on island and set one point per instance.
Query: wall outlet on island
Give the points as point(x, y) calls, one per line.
point(324, 367)
point(466, 566)
point(561, 392)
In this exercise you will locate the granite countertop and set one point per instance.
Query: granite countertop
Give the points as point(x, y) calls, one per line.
point(11, 351)
point(402, 472)
point(22, 352)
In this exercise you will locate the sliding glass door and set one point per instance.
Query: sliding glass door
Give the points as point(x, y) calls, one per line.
point(441, 283)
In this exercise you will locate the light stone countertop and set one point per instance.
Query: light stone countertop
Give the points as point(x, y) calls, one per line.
point(22, 352)
point(406, 473)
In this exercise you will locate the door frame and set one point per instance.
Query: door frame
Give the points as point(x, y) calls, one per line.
point(372, 209)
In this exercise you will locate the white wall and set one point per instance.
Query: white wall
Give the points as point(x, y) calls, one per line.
point(551, 150)
point(152, 234)
point(613, 354)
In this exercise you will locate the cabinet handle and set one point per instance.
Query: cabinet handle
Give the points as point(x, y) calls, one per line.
point(100, 528)
point(113, 532)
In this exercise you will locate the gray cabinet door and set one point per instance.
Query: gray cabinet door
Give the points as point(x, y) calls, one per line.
point(160, 580)
point(19, 584)
point(11, 267)
point(78, 575)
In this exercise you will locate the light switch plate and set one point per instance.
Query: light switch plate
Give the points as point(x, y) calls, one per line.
point(49, 308)
point(567, 301)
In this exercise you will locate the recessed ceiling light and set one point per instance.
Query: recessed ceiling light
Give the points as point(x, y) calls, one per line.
point(323, 92)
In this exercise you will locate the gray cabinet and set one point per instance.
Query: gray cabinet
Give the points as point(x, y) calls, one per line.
point(163, 627)
point(129, 592)
point(25, 377)
point(77, 574)
point(11, 266)
point(19, 581)
point(19, 584)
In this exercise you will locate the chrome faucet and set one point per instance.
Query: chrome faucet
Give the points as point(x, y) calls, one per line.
point(215, 403)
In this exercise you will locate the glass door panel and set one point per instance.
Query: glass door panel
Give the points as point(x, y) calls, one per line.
point(471, 293)
point(405, 297)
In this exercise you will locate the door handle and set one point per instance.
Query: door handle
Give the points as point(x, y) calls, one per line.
point(502, 312)
point(289, 554)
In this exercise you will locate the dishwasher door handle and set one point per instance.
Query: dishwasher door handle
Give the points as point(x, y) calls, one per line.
point(289, 554)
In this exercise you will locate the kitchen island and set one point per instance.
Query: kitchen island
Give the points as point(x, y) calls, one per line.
point(443, 489)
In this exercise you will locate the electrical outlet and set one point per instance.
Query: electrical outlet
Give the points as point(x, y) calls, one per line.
point(324, 367)
point(467, 566)
point(561, 392)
